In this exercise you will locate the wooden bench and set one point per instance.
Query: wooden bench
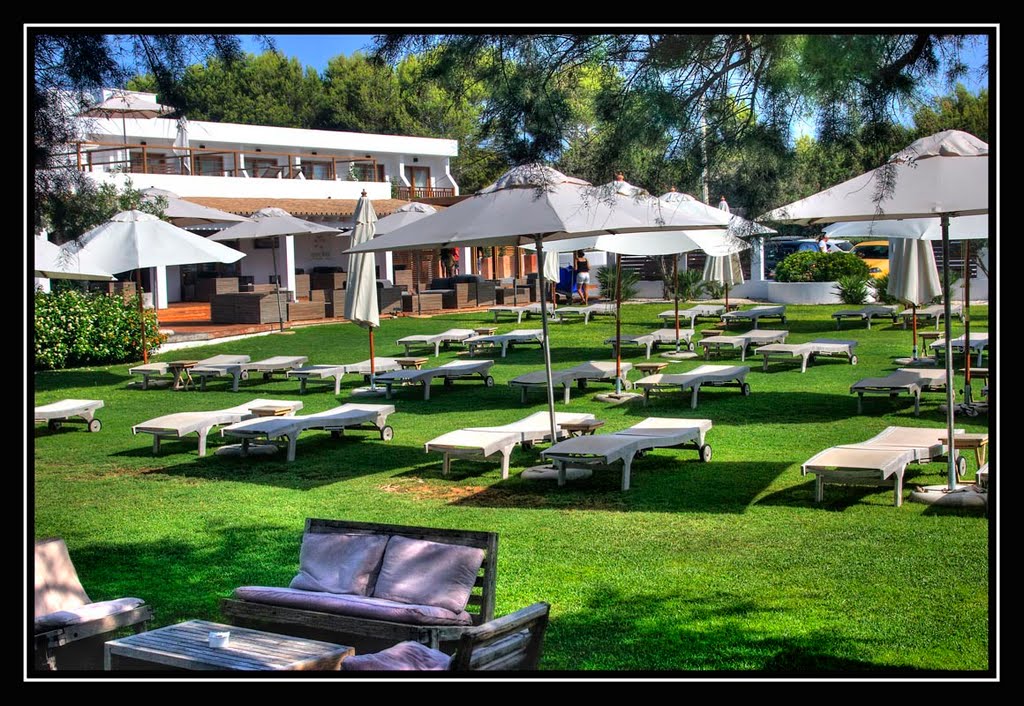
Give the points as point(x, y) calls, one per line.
point(296, 621)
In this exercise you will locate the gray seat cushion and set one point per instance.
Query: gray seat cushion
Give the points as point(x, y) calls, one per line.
point(85, 613)
point(405, 656)
point(339, 563)
point(428, 573)
point(355, 606)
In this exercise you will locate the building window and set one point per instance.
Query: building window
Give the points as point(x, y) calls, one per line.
point(209, 165)
point(316, 170)
point(419, 180)
point(367, 171)
point(262, 167)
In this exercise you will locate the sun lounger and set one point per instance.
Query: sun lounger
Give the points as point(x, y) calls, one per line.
point(481, 442)
point(452, 335)
point(240, 371)
point(506, 340)
point(200, 423)
point(579, 374)
point(704, 375)
point(881, 460)
point(912, 381)
point(807, 352)
point(455, 370)
point(565, 312)
point(336, 421)
point(866, 313)
point(706, 311)
point(381, 365)
point(742, 341)
point(149, 370)
point(936, 311)
point(57, 413)
point(758, 312)
point(979, 344)
point(621, 447)
point(649, 341)
point(519, 311)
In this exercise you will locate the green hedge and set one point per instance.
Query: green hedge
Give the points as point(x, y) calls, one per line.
point(74, 329)
point(808, 266)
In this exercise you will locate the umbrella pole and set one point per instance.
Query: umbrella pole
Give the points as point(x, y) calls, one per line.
point(950, 397)
point(618, 324)
point(913, 327)
point(675, 294)
point(967, 321)
point(142, 315)
point(515, 275)
point(547, 360)
point(373, 367)
point(277, 287)
point(727, 297)
point(416, 280)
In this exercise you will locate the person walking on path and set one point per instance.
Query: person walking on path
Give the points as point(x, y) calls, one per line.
point(582, 275)
point(446, 262)
point(455, 262)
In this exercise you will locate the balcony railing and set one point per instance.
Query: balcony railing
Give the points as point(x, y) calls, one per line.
point(205, 161)
point(410, 193)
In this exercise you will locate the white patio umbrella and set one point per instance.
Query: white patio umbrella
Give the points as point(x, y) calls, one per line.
point(127, 104)
point(133, 240)
point(533, 203)
point(185, 213)
point(53, 262)
point(361, 299)
point(725, 269)
point(273, 223)
point(913, 276)
point(180, 145)
point(403, 216)
point(944, 175)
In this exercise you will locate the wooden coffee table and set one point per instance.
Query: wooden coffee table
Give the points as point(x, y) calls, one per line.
point(650, 368)
point(978, 442)
point(408, 363)
point(186, 646)
point(182, 376)
point(486, 330)
point(708, 332)
point(587, 426)
point(270, 411)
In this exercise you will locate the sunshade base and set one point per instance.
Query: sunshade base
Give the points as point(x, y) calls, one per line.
point(369, 391)
point(618, 397)
point(253, 450)
point(963, 495)
point(679, 355)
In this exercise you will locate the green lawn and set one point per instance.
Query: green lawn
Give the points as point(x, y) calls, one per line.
point(728, 565)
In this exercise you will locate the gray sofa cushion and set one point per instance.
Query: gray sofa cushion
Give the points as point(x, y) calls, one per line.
point(428, 573)
point(85, 613)
point(355, 606)
point(405, 656)
point(339, 563)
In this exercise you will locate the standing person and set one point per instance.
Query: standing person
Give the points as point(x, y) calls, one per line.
point(455, 262)
point(582, 275)
point(723, 204)
point(823, 243)
point(446, 262)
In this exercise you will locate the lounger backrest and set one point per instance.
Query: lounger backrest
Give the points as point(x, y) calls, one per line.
point(481, 600)
point(57, 584)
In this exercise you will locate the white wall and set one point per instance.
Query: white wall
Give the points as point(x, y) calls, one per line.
point(239, 187)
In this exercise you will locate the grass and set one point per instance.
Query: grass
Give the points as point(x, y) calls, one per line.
point(715, 567)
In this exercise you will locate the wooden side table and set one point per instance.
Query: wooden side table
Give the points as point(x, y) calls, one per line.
point(650, 368)
point(587, 426)
point(978, 442)
point(408, 363)
point(486, 330)
point(270, 411)
point(708, 332)
point(182, 377)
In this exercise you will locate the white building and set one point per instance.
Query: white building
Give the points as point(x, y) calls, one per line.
point(314, 174)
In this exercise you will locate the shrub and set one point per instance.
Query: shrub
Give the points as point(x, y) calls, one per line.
point(690, 285)
point(73, 329)
point(852, 289)
point(606, 278)
point(807, 266)
point(714, 289)
point(880, 285)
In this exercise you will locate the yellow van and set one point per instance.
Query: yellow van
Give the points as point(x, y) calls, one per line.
point(875, 254)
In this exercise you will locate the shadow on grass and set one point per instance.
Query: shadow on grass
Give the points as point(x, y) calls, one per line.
point(727, 405)
point(703, 635)
point(46, 381)
point(659, 483)
point(320, 460)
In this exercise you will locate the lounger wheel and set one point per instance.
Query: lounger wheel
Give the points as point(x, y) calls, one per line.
point(705, 452)
point(488, 381)
point(853, 360)
point(53, 425)
point(745, 389)
point(387, 433)
point(244, 375)
point(690, 346)
point(961, 467)
point(95, 425)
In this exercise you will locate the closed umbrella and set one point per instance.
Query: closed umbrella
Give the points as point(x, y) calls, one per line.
point(913, 277)
point(361, 299)
point(185, 213)
point(54, 262)
point(533, 203)
point(726, 270)
point(133, 240)
point(273, 223)
point(942, 176)
point(403, 216)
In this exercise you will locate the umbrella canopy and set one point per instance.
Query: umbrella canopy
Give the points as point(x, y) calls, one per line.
point(964, 228)
point(736, 225)
point(945, 175)
point(186, 213)
point(270, 222)
point(403, 216)
point(726, 270)
point(533, 200)
point(127, 104)
point(361, 299)
point(913, 275)
point(134, 240)
point(54, 262)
